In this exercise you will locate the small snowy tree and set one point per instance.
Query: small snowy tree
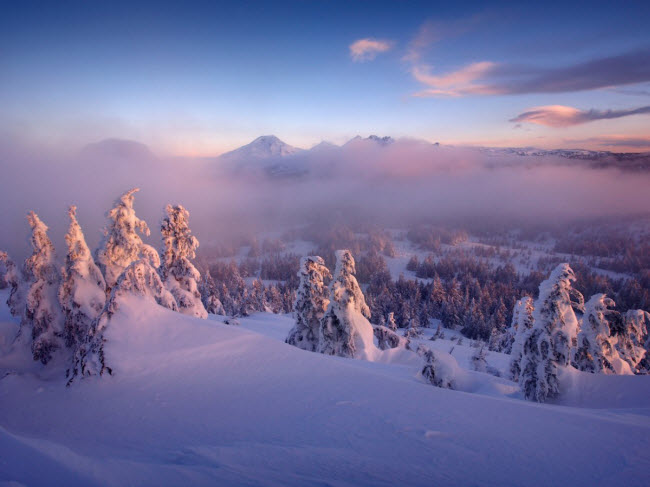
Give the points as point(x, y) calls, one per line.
point(177, 271)
point(595, 352)
point(83, 291)
point(387, 338)
point(312, 299)
point(345, 326)
point(42, 320)
point(522, 321)
point(121, 244)
point(547, 345)
point(391, 321)
point(7, 270)
point(432, 371)
point(479, 362)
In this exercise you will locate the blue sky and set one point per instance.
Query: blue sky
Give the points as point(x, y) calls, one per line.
point(192, 78)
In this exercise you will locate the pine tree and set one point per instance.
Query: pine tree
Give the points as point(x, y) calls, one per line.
point(312, 299)
point(345, 327)
point(42, 320)
point(431, 371)
point(177, 271)
point(630, 339)
point(595, 352)
point(121, 244)
point(522, 322)
point(8, 272)
point(547, 345)
point(391, 322)
point(82, 294)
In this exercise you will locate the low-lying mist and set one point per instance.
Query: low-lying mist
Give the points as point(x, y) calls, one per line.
point(392, 186)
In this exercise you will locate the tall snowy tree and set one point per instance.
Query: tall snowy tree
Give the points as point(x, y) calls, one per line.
point(596, 352)
point(177, 271)
point(41, 320)
point(345, 328)
point(121, 244)
point(312, 299)
point(547, 345)
point(83, 291)
point(522, 321)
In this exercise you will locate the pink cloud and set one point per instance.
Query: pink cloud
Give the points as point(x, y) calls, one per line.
point(456, 83)
point(367, 49)
point(563, 116)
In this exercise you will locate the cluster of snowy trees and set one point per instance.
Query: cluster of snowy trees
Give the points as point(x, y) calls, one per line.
point(331, 319)
point(559, 330)
point(64, 310)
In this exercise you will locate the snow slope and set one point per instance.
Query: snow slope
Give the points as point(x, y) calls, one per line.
point(197, 402)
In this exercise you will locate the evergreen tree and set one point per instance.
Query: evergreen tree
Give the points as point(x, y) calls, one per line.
point(345, 328)
point(312, 299)
point(631, 338)
point(82, 294)
point(391, 322)
point(177, 271)
point(595, 352)
point(479, 362)
point(41, 320)
point(121, 244)
point(7, 270)
point(547, 345)
point(522, 322)
point(209, 295)
point(431, 371)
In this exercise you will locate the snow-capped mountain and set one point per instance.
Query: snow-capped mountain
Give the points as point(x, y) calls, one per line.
point(262, 148)
point(382, 141)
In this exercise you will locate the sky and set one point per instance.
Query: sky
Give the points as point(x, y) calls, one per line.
point(201, 78)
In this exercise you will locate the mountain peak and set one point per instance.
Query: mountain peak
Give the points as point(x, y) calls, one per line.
point(263, 147)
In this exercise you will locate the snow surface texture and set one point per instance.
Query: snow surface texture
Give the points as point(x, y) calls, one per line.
point(196, 402)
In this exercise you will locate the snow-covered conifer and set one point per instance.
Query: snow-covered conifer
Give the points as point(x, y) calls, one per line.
point(121, 244)
point(41, 320)
point(387, 338)
point(595, 352)
point(345, 328)
point(8, 273)
point(82, 292)
point(631, 339)
point(177, 271)
point(432, 372)
point(312, 299)
point(391, 321)
point(547, 345)
point(209, 295)
point(479, 362)
point(522, 321)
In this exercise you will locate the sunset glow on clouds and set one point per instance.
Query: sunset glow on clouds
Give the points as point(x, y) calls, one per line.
point(202, 79)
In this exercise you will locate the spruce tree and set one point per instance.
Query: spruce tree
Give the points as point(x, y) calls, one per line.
point(177, 271)
point(312, 299)
point(522, 322)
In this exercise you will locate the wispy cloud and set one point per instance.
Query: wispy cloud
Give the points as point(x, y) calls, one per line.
point(563, 116)
point(367, 49)
point(432, 32)
point(487, 78)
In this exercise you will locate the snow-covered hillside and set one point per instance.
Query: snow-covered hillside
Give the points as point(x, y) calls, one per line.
point(196, 402)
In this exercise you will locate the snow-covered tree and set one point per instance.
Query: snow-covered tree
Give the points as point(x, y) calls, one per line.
point(390, 323)
point(140, 278)
point(522, 322)
point(121, 244)
point(8, 273)
point(210, 296)
point(596, 352)
point(177, 271)
point(479, 362)
point(547, 345)
point(345, 328)
point(432, 371)
point(387, 338)
point(83, 291)
point(41, 317)
point(632, 337)
point(312, 299)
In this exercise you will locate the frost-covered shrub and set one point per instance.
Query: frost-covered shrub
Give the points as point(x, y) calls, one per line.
point(82, 294)
point(387, 338)
point(312, 299)
point(478, 359)
point(547, 345)
point(177, 271)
